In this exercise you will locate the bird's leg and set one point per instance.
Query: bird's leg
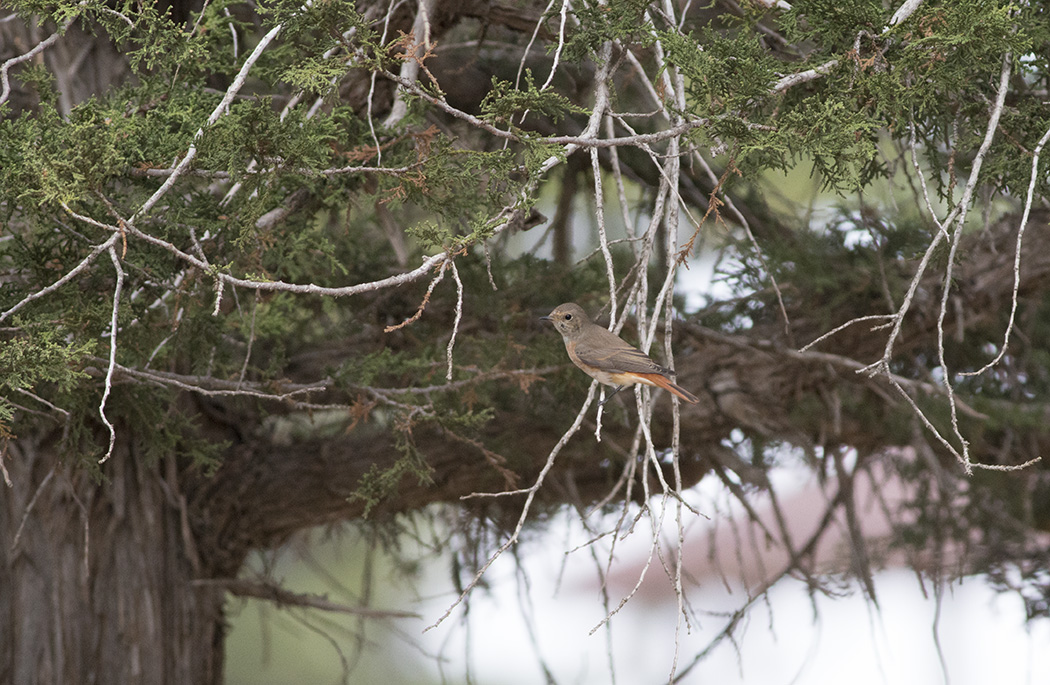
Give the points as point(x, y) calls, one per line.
point(618, 389)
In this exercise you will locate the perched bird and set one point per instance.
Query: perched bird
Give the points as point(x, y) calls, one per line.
point(605, 357)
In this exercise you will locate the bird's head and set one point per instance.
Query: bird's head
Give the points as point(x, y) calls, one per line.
point(568, 318)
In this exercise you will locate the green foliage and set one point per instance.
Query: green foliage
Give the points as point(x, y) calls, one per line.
point(161, 427)
point(316, 39)
point(458, 188)
point(832, 25)
point(379, 483)
point(598, 23)
point(370, 369)
point(503, 101)
point(841, 142)
point(727, 73)
point(253, 130)
point(40, 356)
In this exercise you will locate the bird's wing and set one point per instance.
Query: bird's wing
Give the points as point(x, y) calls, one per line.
point(606, 351)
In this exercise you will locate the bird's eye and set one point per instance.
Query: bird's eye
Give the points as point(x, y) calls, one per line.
point(568, 316)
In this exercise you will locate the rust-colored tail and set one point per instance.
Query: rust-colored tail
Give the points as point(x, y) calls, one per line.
point(670, 386)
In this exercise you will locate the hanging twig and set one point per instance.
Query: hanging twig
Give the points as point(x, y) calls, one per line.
point(459, 317)
point(112, 353)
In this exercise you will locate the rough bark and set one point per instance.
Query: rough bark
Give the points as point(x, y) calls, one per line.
point(97, 579)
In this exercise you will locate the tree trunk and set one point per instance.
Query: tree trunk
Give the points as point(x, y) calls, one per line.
point(96, 582)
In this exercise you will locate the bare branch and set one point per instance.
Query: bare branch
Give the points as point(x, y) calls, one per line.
point(251, 340)
point(220, 109)
point(804, 76)
point(284, 598)
point(29, 507)
point(603, 236)
point(217, 387)
point(3, 467)
point(306, 289)
point(459, 317)
point(836, 329)
point(5, 83)
point(637, 140)
point(413, 59)
point(261, 171)
point(44, 402)
point(443, 105)
point(112, 352)
point(904, 11)
point(964, 203)
point(1017, 257)
point(70, 275)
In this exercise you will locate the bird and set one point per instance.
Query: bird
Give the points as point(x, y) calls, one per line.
point(603, 356)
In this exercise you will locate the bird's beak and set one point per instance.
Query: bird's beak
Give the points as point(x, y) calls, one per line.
point(545, 318)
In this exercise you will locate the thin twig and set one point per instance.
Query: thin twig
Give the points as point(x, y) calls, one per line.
point(70, 275)
point(530, 493)
point(603, 237)
point(804, 76)
point(3, 467)
point(41, 400)
point(459, 317)
point(426, 300)
point(1017, 257)
point(305, 289)
point(251, 339)
point(282, 597)
point(833, 331)
point(220, 109)
point(563, 19)
point(219, 387)
point(219, 174)
point(112, 353)
point(29, 507)
point(964, 203)
point(5, 83)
